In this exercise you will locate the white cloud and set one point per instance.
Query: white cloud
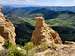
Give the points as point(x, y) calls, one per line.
point(21, 0)
point(16, 1)
point(40, 2)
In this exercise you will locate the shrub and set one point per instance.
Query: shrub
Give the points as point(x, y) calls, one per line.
point(15, 52)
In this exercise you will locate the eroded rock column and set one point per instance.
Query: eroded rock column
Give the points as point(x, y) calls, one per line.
point(44, 33)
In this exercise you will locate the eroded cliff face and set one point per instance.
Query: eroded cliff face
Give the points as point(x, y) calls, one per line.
point(7, 30)
point(44, 33)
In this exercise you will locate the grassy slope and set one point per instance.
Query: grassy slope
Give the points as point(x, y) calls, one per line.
point(65, 27)
point(64, 24)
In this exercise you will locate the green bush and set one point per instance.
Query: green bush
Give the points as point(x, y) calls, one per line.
point(15, 52)
point(9, 45)
point(28, 46)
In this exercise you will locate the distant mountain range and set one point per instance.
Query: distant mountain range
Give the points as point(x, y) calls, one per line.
point(47, 12)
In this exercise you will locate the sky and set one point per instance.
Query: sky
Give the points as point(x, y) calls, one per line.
point(38, 2)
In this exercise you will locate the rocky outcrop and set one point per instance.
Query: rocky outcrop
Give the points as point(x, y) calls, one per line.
point(44, 33)
point(2, 41)
point(62, 50)
point(7, 30)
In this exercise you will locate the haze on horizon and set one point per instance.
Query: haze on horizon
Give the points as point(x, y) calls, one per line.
point(38, 2)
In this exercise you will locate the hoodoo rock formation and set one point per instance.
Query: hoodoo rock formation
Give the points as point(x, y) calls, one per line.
point(44, 33)
point(7, 30)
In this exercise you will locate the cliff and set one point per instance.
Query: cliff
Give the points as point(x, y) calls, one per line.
point(7, 30)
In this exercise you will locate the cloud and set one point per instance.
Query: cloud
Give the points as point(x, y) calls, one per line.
point(28, 0)
point(21, 1)
point(40, 2)
point(16, 1)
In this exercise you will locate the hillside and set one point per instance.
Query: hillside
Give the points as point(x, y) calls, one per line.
point(45, 41)
point(37, 31)
point(60, 18)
